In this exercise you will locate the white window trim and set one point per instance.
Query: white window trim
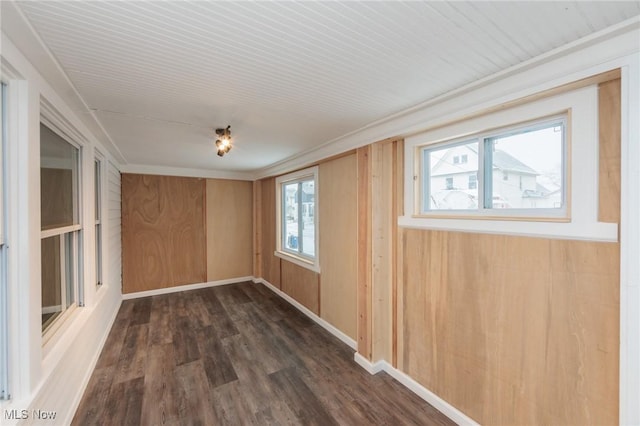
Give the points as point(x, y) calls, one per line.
point(582, 221)
point(56, 122)
point(312, 264)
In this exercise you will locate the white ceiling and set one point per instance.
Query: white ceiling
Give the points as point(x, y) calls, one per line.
point(287, 76)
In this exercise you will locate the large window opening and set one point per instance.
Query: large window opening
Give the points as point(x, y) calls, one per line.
point(61, 244)
point(97, 174)
point(520, 169)
point(297, 217)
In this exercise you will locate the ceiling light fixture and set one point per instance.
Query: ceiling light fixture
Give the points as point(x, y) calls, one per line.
point(223, 143)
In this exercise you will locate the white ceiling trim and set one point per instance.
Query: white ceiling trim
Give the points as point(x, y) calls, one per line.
point(185, 172)
point(582, 58)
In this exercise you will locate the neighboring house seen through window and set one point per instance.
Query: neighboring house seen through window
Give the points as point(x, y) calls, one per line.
point(519, 168)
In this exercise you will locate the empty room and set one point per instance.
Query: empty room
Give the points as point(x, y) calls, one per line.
point(320, 212)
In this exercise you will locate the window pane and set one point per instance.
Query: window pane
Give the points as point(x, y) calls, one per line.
point(58, 180)
point(57, 273)
point(449, 173)
point(96, 175)
point(526, 169)
point(290, 213)
point(308, 218)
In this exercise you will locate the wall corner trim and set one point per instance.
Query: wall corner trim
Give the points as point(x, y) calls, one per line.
point(440, 404)
point(321, 322)
point(186, 287)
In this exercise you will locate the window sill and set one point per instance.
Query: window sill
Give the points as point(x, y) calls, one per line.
point(590, 231)
point(298, 261)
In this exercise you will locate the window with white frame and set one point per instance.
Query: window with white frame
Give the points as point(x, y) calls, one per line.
point(297, 218)
point(97, 176)
point(518, 168)
point(4, 319)
point(61, 235)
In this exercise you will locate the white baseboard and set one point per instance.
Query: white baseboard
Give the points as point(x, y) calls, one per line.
point(185, 287)
point(440, 404)
point(321, 322)
point(371, 367)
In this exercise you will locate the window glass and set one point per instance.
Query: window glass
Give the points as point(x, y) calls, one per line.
point(98, 215)
point(516, 168)
point(307, 203)
point(297, 217)
point(526, 168)
point(61, 256)
point(448, 180)
point(58, 180)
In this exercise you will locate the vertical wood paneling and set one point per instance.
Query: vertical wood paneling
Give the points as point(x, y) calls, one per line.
point(229, 229)
point(513, 330)
point(364, 252)
point(516, 330)
point(339, 242)
point(609, 126)
point(257, 229)
point(302, 284)
point(163, 227)
point(113, 228)
point(270, 262)
point(382, 243)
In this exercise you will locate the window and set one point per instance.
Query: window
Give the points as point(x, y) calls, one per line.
point(4, 319)
point(61, 238)
point(518, 168)
point(297, 217)
point(97, 178)
point(473, 181)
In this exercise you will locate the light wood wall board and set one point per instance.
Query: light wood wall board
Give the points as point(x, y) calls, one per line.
point(513, 330)
point(270, 262)
point(229, 229)
point(302, 284)
point(364, 252)
point(610, 145)
point(257, 229)
point(382, 248)
point(339, 242)
point(163, 232)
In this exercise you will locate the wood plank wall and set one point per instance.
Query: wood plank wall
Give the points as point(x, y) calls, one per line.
point(332, 293)
point(338, 242)
point(163, 232)
point(516, 330)
point(229, 229)
point(270, 262)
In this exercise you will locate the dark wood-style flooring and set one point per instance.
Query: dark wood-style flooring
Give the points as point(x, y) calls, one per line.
point(236, 354)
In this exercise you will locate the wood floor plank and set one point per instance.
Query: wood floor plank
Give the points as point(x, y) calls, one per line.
point(236, 355)
point(185, 345)
point(217, 365)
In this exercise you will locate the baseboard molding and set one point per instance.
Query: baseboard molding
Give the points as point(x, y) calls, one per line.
point(321, 322)
point(186, 287)
point(440, 404)
point(371, 367)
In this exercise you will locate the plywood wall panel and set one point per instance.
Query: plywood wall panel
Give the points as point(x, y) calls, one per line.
point(302, 284)
point(270, 262)
point(229, 224)
point(339, 242)
point(163, 232)
point(513, 330)
point(610, 145)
